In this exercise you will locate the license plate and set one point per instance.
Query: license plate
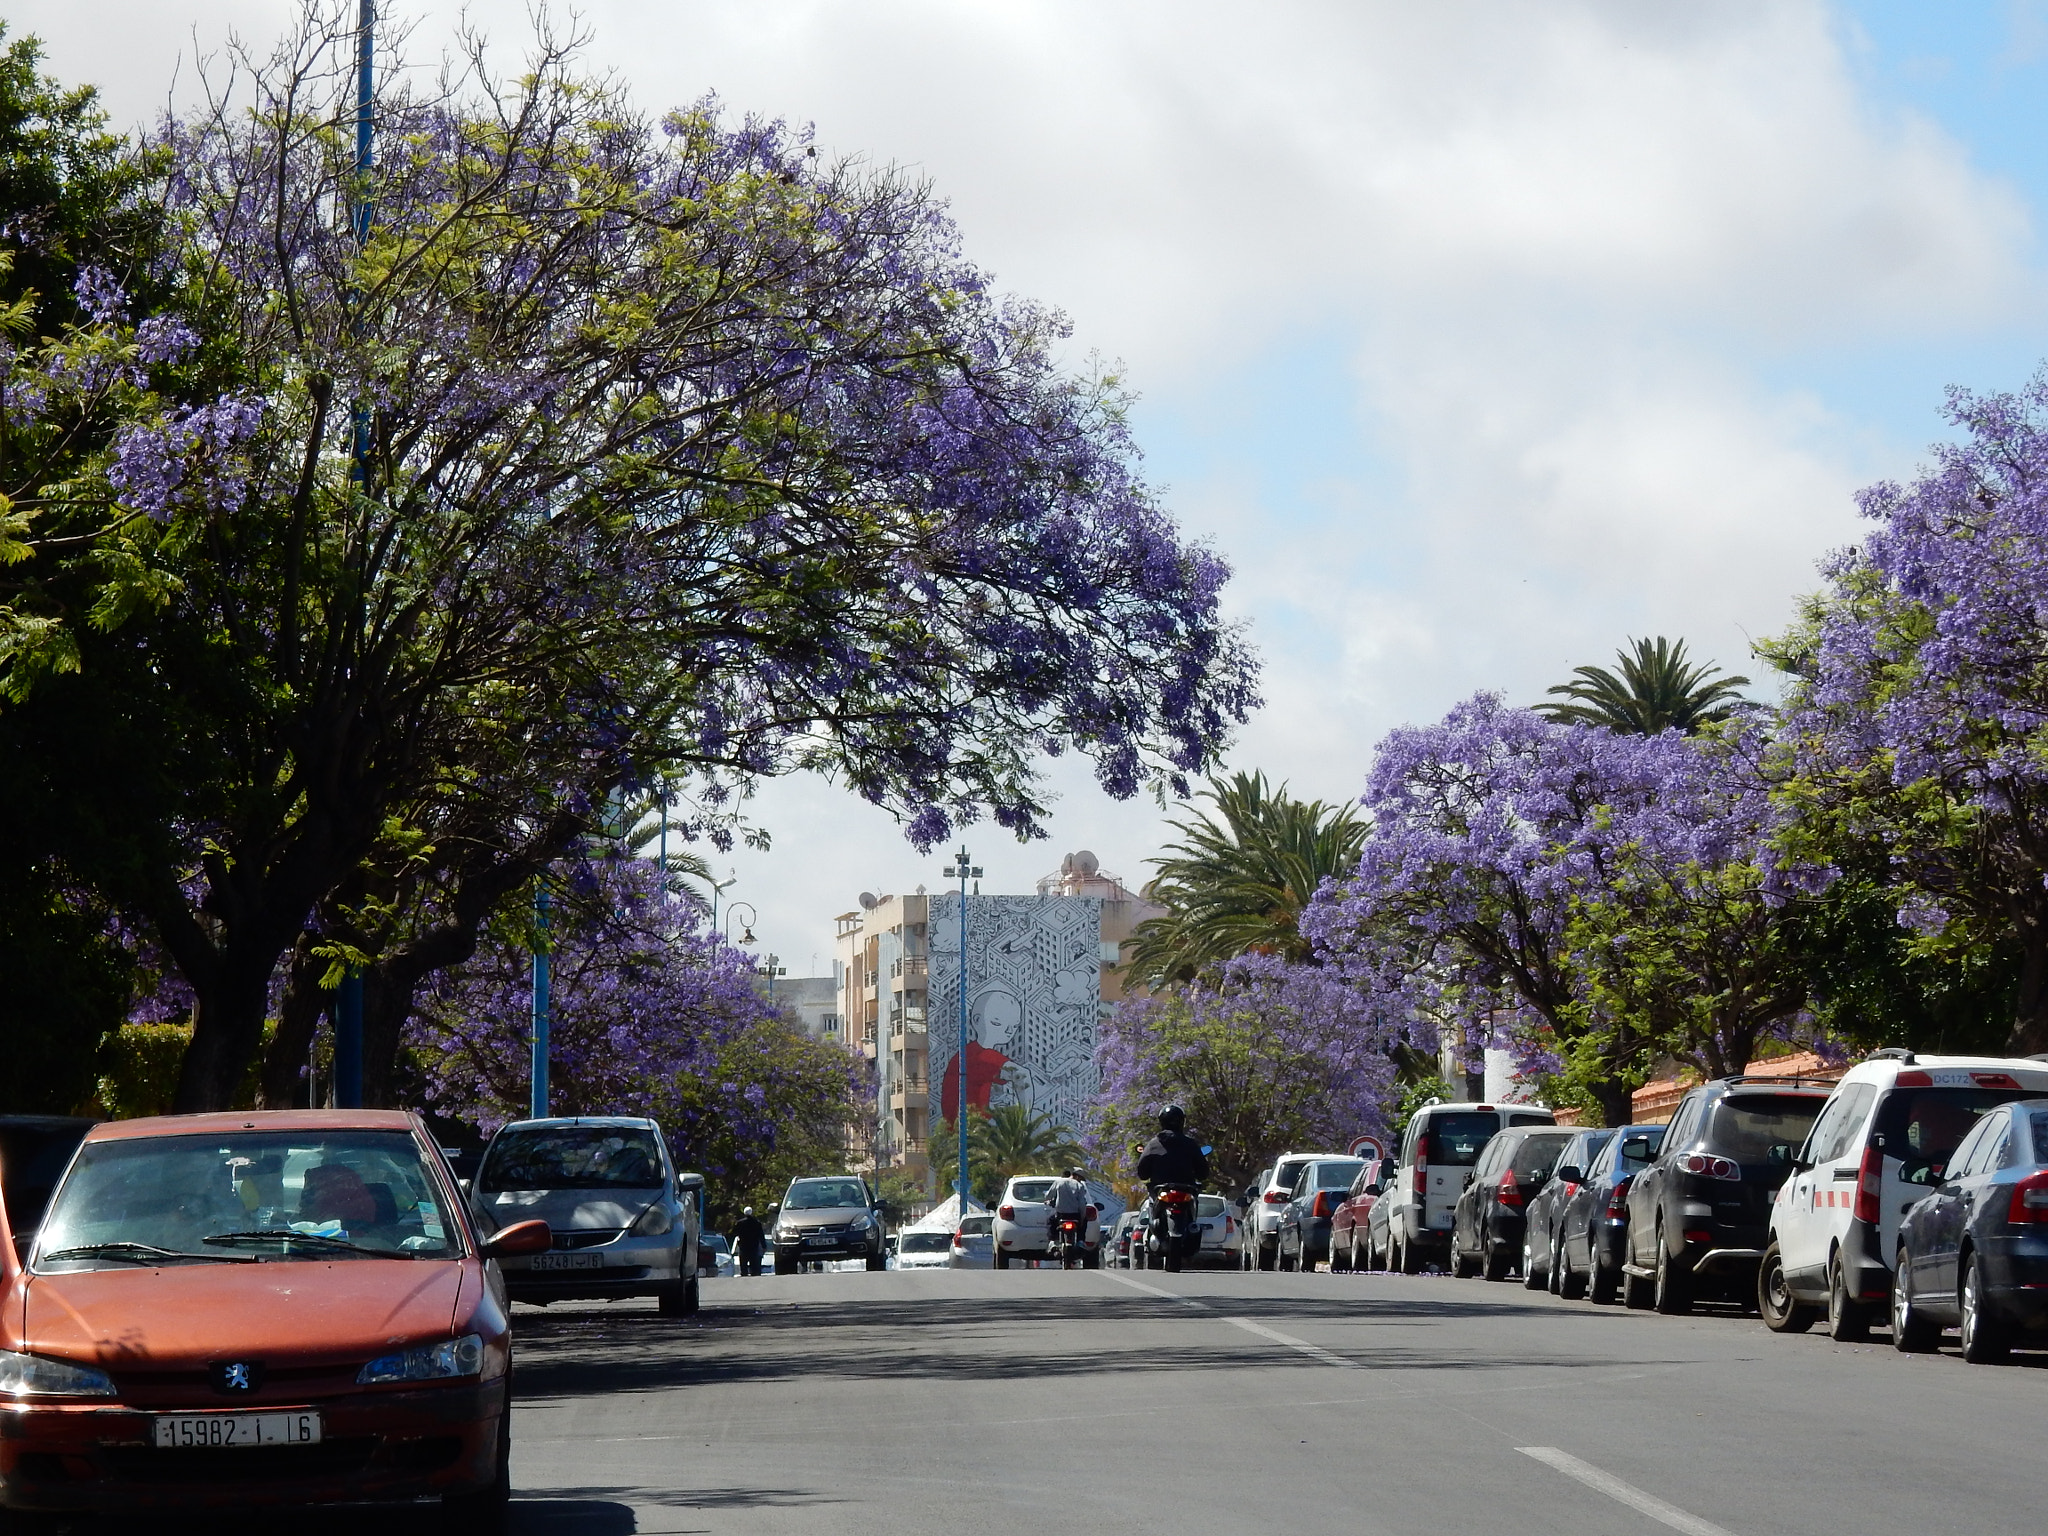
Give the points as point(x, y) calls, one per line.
point(820, 1242)
point(234, 1431)
point(568, 1261)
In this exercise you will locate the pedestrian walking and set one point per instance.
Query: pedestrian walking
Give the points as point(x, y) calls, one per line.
point(746, 1241)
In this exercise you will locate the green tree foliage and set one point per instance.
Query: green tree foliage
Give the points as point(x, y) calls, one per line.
point(1238, 878)
point(1657, 689)
point(1005, 1143)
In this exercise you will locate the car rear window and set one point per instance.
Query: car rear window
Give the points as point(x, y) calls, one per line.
point(924, 1242)
point(1922, 1127)
point(572, 1157)
point(1454, 1140)
point(1209, 1205)
point(1337, 1175)
point(1745, 1126)
point(978, 1226)
point(1287, 1175)
point(1537, 1155)
point(2040, 1123)
point(1031, 1189)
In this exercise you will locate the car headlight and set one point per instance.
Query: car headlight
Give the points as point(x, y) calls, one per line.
point(430, 1362)
point(860, 1223)
point(786, 1234)
point(35, 1376)
point(655, 1221)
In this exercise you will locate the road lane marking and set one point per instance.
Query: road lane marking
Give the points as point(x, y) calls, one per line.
point(1625, 1493)
point(1153, 1290)
point(1314, 1352)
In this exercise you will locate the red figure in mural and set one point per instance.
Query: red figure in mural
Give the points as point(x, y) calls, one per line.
point(992, 1018)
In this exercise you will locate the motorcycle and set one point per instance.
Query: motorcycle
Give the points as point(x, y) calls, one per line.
point(1171, 1234)
point(1070, 1241)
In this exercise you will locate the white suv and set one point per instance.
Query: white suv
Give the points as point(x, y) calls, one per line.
point(1024, 1222)
point(1879, 1146)
point(1439, 1147)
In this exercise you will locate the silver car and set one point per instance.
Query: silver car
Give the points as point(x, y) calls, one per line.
point(974, 1243)
point(824, 1219)
point(625, 1222)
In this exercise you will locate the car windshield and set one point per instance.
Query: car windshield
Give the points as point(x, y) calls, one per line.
point(275, 1195)
point(1922, 1127)
point(824, 1194)
point(1209, 1205)
point(1337, 1175)
point(1538, 1154)
point(924, 1242)
point(572, 1157)
point(1746, 1126)
point(1031, 1189)
point(1455, 1139)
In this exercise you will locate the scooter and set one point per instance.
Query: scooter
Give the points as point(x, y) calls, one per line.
point(1171, 1235)
point(1070, 1241)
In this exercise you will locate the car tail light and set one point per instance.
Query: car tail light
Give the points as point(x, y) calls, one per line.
point(1870, 1185)
point(1007, 1212)
point(1509, 1192)
point(1914, 1080)
point(1617, 1202)
point(1091, 1213)
point(1699, 1236)
point(1326, 1203)
point(2030, 1199)
point(1421, 1180)
point(1276, 1196)
point(1707, 1166)
point(959, 1239)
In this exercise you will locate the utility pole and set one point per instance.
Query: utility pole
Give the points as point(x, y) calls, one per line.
point(539, 1106)
point(964, 872)
point(348, 1001)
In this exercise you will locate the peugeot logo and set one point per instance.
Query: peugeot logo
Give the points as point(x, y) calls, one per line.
point(237, 1376)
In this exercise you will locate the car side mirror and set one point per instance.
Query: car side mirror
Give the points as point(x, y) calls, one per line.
point(519, 1240)
point(463, 1185)
point(1572, 1173)
point(1371, 1189)
point(1637, 1149)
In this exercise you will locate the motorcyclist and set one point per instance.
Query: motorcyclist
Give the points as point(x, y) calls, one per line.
point(1171, 1157)
point(1068, 1197)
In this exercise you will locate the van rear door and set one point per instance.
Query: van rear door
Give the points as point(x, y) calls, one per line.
point(1451, 1149)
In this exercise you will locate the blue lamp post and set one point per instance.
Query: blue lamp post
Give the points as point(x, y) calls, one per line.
point(539, 1106)
point(962, 871)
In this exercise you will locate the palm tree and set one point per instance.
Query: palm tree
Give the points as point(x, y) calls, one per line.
point(1238, 879)
point(1002, 1144)
point(1658, 690)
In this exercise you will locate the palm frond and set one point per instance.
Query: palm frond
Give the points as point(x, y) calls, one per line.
point(1657, 690)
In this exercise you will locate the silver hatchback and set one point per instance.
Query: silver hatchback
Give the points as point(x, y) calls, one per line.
point(624, 1220)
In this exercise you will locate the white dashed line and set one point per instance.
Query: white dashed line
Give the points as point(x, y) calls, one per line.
point(1625, 1493)
point(1153, 1290)
point(1314, 1352)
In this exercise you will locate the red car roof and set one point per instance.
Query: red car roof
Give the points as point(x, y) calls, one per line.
point(256, 1120)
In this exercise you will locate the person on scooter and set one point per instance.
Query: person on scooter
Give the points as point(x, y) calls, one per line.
point(1069, 1197)
point(1171, 1158)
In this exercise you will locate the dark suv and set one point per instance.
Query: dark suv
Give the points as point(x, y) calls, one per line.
point(1699, 1215)
point(1486, 1231)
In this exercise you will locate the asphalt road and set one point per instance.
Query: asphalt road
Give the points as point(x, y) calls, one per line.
point(977, 1402)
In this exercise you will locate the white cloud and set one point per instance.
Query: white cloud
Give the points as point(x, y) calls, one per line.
point(1579, 254)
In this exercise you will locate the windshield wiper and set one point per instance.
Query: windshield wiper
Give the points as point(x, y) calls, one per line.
point(288, 1238)
point(137, 1253)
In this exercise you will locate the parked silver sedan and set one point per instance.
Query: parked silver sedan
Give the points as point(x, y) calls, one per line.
point(624, 1220)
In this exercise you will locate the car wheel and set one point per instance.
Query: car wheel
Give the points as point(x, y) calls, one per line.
point(1002, 1259)
point(1984, 1338)
point(1913, 1331)
point(1535, 1277)
point(1571, 1280)
point(1269, 1254)
point(1637, 1292)
point(1603, 1285)
point(1848, 1318)
point(1406, 1259)
point(1496, 1262)
point(1782, 1311)
point(484, 1513)
point(1673, 1289)
point(784, 1266)
point(1339, 1259)
point(877, 1261)
point(1091, 1258)
point(1283, 1260)
point(680, 1299)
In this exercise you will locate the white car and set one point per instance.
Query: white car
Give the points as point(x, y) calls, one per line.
point(1023, 1223)
point(929, 1249)
point(973, 1245)
point(1439, 1148)
point(1221, 1239)
point(1879, 1146)
point(1260, 1242)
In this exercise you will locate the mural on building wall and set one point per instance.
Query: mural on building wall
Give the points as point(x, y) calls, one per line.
point(1034, 978)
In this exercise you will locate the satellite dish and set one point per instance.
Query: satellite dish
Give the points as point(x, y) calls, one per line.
point(1085, 863)
point(869, 901)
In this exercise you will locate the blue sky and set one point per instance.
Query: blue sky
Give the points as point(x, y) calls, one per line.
point(1480, 336)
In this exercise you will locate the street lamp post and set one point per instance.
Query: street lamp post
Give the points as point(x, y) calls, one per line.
point(746, 924)
point(771, 970)
point(539, 1103)
point(960, 869)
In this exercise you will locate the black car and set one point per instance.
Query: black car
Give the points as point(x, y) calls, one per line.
point(1513, 1167)
point(1699, 1215)
point(1592, 1232)
point(1974, 1253)
point(34, 1152)
point(1545, 1219)
point(1302, 1240)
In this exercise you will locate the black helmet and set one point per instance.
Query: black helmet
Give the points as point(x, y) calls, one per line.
point(1172, 1118)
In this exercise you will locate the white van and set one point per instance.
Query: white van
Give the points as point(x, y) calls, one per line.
point(1879, 1146)
point(1438, 1150)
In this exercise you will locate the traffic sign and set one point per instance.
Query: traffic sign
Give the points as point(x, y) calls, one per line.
point(1367, 1147)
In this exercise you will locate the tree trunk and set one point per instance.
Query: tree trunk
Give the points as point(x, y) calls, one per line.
point(2030, 1012)
point(284, 1064)
point(227, 1031)
point(1616, 1100)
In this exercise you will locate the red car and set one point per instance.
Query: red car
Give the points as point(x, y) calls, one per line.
point(258, 1308)
point(1350, 1236)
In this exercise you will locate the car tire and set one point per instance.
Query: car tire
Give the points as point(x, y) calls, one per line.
point(877, 1261)
point(1984, 1337)
point(784, 1266)
point(1091, 1258)
point(1673, 1287)
point(485, 1512)
point(678, 1300)
point(1637, 1292)
point(1496, 1262)
point(1405, 1259)
point(1340, 1260)
point(1913, 1331)
point(1283, 1261)
point(1002, 1259)
point(1782, 1312)
point(1269, 1256)
point(1848, 1318)
point(1535, 1277)
point(1571, 1280)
